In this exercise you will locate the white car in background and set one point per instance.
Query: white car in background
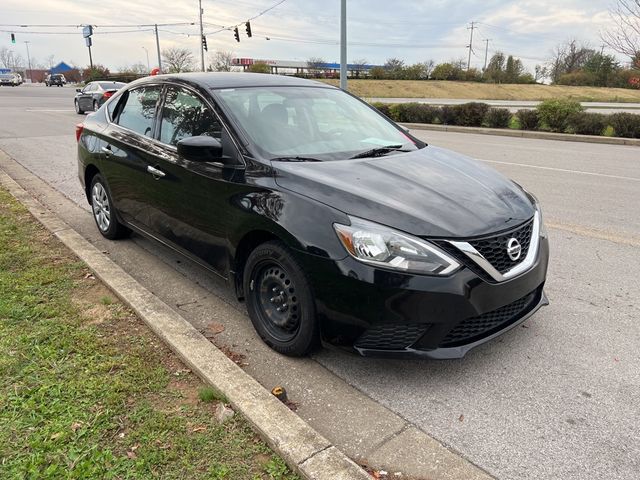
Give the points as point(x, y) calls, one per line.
point(10, 79)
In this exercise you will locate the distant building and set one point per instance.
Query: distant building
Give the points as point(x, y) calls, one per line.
point(293, 67)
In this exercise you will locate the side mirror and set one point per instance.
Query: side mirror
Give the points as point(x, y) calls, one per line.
point(79, 90)
point(200, 149)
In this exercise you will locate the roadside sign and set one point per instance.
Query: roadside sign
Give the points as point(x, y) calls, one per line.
point(87, 40)
point(87, 31)
point(5, 70)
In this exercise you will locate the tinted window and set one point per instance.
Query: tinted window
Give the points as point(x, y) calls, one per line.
point(185, 115)
point(139, 110)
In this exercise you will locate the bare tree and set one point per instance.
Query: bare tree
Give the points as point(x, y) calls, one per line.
point(50, 62)
point(568, 57)
point(177, 60)
point(624, 38)
point(9, 59)
point(222, 61)
point(314, 64)
point(359, 66)
point(429, 65)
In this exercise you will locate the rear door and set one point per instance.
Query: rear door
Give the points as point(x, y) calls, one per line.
point(128, 150)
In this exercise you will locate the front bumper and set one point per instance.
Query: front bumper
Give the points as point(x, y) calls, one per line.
point(378, 312)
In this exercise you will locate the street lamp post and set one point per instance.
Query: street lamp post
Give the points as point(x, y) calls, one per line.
point(29, 60)
point(147, 52)
point(343, 45)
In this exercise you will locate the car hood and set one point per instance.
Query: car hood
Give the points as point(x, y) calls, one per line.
point(428, 192)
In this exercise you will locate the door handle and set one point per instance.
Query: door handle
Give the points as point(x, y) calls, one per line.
point(107, 150)
point(155, 172)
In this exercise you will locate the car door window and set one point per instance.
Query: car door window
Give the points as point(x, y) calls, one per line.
point(185, 115)
point(139, 110)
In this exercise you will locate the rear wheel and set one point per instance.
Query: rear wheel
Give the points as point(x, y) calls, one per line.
point(103, 212)
point(79, 111)
point(279, 300)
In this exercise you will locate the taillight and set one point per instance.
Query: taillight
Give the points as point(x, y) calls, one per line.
point(106, 95)
point(79, 128)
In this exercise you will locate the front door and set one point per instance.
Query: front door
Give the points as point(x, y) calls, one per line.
point(191, 200)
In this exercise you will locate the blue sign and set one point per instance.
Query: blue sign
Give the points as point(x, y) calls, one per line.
point(5, 70)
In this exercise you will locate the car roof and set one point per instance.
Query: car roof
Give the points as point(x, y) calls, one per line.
point(219, 80)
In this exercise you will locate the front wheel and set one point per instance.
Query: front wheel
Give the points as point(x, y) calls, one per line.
point(103, 212)
point(279, 300)
point(79, 111)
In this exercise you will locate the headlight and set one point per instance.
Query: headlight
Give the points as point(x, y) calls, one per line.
point(378, 245)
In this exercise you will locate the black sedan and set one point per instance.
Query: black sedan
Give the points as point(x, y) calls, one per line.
point(332, 222)
point(94, 94)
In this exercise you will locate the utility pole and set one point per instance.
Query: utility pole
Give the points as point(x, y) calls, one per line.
point(343, 44)
point(29, 60)
point(201, 37)
point(472, 28)
point(486, 53)
point(158, 48)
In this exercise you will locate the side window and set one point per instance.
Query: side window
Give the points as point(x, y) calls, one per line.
point(186, 115)
point(139, 110)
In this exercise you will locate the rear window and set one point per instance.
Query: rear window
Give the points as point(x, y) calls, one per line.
point(111, 85)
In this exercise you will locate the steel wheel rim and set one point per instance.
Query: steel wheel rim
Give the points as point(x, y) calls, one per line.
point(277, 301)
point(101, 207)
point(77, 107)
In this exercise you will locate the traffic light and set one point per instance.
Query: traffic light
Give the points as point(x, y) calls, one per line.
point(236, 34)
point(13, 38)
point(204, 43)
point(248, 26)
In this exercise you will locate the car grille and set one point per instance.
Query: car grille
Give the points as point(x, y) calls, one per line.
point(391, 336)
point(475, 328)
point(494, 249)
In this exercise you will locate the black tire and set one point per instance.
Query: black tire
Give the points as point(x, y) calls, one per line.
point(103, 211)
point(79, 111)
point(273, 279)
point(95, 106)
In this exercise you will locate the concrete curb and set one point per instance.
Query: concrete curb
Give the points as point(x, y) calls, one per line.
point(565, 137)
point(305, 450)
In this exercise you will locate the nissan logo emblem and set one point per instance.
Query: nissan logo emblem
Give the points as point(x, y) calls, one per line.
point(514, 249)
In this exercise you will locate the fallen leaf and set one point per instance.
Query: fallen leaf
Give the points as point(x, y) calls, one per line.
point(132, 455)
point(89, 276)
point(76, 425)
point(461, 418)
point(199, 429)
point(56, 435)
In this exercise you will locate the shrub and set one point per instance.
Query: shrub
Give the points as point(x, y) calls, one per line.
point(413, 112)
point(447, 115)
point(528, 119)
point(470, 114)
point(588, 123)
point(498, 117)
point(555, 114)
point(383, 108)
point(625, 125)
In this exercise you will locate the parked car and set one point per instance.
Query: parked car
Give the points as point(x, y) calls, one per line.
point(55, 79)
point(332, 222)
point(10, 79)
point(94, 94)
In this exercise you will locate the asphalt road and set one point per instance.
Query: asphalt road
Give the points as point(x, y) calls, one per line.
point(558, 398)
point(515, 105)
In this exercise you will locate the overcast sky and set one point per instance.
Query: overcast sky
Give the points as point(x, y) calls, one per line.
point(299, 29)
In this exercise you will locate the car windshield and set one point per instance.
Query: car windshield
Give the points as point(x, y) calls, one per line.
point(310, 122)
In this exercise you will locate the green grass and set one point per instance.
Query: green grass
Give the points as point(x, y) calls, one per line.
point(86, 391)
point(485, 91)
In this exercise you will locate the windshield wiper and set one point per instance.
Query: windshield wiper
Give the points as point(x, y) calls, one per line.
point(295, 158)
point(376, 152)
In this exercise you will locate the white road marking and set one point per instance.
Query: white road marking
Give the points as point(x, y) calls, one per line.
point(620, 177)
point(49, 109)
